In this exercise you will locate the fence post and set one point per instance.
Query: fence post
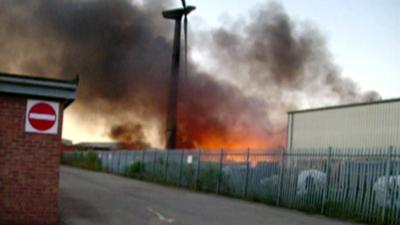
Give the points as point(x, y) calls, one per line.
point(144, 163)
point(119, 162)
point(387, 182)
point(198, 171)
point(180, 168)
point(154, 165)
point(166, 167)
point(221, 158)
point(328, 175)
point(246, 184)
point(281, 172)
point(143, 156)
point(110, 162)
point(107, 162)
point(126, 161)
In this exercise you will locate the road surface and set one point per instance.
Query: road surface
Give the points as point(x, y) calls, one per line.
point(90, 198)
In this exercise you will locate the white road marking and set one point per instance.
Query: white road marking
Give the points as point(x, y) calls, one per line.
point(160, 216)
point(40, 116)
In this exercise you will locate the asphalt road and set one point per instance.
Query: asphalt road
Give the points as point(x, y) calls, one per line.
point(89, 198)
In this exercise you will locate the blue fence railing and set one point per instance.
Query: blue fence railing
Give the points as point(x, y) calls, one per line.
point(358, 184)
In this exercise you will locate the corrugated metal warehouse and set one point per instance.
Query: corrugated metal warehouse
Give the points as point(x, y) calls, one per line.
point(368, 124)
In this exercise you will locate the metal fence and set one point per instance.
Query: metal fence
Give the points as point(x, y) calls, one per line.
point(358, 184)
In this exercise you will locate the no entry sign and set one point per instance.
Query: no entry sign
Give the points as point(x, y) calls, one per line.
point(42, 117)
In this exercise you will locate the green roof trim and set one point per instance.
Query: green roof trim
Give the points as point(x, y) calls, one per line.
point(39, 78)
point(39, 87)
point(392, 100)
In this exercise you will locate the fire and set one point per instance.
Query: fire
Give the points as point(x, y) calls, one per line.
point(232, 142)
point(227, 141)
point(214, 117)
point(208, 137)
point(234, 146)
point(241, 157)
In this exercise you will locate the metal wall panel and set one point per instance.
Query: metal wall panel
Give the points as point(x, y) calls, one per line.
point(374, 125)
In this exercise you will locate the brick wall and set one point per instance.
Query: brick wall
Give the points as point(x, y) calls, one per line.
point(29, 168)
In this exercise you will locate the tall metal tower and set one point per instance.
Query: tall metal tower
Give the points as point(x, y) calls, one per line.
point(175, 14)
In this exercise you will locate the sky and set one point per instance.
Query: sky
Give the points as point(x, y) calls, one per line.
point(363, 37)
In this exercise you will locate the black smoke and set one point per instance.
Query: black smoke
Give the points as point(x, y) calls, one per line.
point(122, 50)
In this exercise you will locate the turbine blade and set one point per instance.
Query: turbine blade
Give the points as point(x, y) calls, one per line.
point(185, 27)
point(184, 3)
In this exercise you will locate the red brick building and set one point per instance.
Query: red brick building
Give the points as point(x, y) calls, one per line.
point(30, 155)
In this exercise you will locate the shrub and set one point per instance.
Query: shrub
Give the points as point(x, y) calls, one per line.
point(88, 160)
point(136, 170)
point(188, 175)
point(208, 177)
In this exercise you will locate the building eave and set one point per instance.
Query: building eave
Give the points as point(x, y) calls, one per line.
point(346, 105)
point(39, 87)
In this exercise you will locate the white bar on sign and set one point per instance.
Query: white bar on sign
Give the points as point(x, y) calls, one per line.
point(42, 116)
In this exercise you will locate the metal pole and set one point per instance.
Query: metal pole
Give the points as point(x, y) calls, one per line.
point(126, 161)
point(143, 156)
point(198, 170)
point(107, 162)
point(176, 15)
point(154, 165)
point(387, 182)
point(246, 184)
point(180, 168)
point(220, 171)
point(328, 175)
point(166, 167)
point(144, 163)
point(174, 88)
point(119, 162)
point(281, 173)
point(112, 163)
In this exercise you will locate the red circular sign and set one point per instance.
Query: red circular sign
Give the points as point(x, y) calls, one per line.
point(42, 116)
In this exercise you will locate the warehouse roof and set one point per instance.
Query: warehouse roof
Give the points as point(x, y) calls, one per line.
point(347, 105)
point(39, 87)
point(97, 145)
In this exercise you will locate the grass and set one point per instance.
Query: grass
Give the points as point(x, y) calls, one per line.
point(262, 197)
point(136, 170)
point(206, 180)
point(88, 160)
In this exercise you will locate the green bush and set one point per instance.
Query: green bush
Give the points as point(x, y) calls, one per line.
point(161, 161)
point(262, 197)
point(310, 202)
point(136, 170)
point(88, 160)
point(188, 175)
point(208, 178)
point(347, 211)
